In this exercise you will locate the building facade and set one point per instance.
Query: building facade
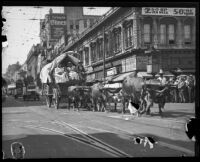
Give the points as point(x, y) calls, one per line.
point(132, 38)
point(32, 62)
point(63, 27)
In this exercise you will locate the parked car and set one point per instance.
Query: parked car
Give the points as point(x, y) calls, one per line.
point(31, 93)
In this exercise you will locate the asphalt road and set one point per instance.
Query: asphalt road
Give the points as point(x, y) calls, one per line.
point(50, 133)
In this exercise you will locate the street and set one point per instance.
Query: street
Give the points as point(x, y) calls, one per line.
point(50, 133)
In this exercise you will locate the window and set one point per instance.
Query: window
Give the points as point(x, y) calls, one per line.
point(100, 49)
point(162, 34)
point(81, 55)
point(147, 33)
point(87, 56)
point(85, 23)
point(167, 34)
point(106, 44)
point(93, 52)
point(71, 24)
point(171, 34)
point(77, 25)
point(117, 39)
point(128, 35)
point(91, 22)
point(187, 34)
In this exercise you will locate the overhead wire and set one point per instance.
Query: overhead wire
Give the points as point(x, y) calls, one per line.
point(32, 23)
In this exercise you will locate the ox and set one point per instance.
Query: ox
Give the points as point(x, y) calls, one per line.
point(154, 92)
point(132, 90)
point(98, 97)
point(143, 93)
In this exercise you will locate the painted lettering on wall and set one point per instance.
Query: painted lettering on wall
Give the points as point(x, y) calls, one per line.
point(168, 11)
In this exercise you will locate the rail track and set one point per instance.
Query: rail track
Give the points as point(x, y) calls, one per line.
point(85, 139)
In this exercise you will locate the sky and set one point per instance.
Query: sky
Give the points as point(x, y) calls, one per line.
point(22, 29)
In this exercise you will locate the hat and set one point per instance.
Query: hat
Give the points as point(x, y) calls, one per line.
point(161, 71)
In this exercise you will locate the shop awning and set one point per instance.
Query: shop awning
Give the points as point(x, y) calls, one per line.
point(121, 77)
point(114, 85)
point(144, 75)
point(166, 73)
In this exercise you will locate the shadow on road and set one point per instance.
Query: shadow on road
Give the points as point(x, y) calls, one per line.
point(56, 146)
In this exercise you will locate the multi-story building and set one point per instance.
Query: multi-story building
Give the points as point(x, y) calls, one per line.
point(77, 22)
point(138, 38)
point(32, 62)
point(57, 28)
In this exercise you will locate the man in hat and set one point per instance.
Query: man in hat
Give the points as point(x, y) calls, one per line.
point(161, 78)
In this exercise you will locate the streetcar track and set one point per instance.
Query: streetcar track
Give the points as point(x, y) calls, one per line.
point(129, 134)
point(163, 144)
point(94, 139)
point(84, 141)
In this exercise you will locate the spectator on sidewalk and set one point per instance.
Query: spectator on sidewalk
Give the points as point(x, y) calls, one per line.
point(181, 89)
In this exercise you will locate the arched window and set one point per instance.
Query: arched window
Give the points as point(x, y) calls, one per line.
point(100, 48)
point(167, 31)
point(187, 30)
point(117, 39)
point(106, 44)
point(147, 30)
point(93, 51)
point(86, 50)
point(128, 33)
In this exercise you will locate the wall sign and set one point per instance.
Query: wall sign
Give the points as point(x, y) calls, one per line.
point(141, 62)
point(57, 25)
point(111, 71)
point(168, 11)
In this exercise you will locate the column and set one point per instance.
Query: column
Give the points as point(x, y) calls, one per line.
point(135, 32)
point(140, 26)
point(193, 33)
point(90, 58)
point(179, 33)
point(83, 57)
point(155, 32)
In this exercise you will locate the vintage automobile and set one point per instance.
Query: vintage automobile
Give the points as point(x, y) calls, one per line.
point(31, 93)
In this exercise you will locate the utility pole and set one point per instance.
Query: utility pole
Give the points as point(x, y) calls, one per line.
point(104, 54)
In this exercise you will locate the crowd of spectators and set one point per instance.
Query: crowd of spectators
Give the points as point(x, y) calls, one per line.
point(182, 87)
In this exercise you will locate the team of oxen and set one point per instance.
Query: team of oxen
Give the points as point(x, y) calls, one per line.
point(136, 90)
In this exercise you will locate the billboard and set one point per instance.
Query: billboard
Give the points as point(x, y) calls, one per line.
point(57, 26)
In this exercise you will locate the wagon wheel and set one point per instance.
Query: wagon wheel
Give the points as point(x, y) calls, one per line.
point(56, 99)
point(48, 100)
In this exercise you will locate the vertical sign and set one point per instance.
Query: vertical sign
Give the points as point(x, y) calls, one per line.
point(57, 26)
